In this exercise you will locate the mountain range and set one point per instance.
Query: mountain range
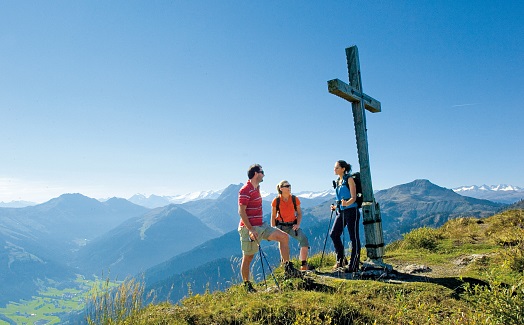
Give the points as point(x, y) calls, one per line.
point(143, 241)
point(423, 203)
point(497, 193)
point(74, 234)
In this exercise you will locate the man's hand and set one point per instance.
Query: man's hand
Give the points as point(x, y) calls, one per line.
point(253, 234)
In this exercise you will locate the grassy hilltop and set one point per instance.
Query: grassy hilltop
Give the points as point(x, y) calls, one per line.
point(469, 271)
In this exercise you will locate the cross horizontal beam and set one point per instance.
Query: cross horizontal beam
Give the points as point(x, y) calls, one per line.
point(343, 90)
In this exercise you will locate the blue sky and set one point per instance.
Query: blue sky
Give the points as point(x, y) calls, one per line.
point(114, 98)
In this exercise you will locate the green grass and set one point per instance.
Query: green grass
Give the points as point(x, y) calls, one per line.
point(108, 304)
point(337, 302)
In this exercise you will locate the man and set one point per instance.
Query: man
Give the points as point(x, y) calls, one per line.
point(252, 229)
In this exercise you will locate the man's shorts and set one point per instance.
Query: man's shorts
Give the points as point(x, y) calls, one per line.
point(298, 235)
point(250, 247)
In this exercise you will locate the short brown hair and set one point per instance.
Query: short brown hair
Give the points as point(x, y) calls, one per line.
point(255, 168)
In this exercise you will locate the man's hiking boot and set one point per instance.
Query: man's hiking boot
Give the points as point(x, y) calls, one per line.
point(249, 287)
point(290, 271)
point(306, 267)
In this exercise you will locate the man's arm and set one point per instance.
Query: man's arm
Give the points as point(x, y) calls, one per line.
point(243, 215)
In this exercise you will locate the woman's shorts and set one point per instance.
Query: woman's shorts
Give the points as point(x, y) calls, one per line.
point(297, 234)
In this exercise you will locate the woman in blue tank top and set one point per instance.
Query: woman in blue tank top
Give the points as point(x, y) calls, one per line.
point(348, 215)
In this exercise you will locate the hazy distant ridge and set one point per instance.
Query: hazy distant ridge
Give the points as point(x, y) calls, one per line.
point(155, 201)
point(494, 188)
point(502, 193)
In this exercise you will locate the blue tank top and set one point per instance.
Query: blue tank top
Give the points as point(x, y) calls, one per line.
point(343, 192)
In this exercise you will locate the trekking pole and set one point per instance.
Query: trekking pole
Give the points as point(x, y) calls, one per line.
point(343, 237)
point(267, 262)
point(261, 262)
point(325, 241)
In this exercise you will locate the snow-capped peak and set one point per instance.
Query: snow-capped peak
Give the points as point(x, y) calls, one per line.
point(192, 196)
point(491, 188)
point(304, 194)
point(154, 201)
point(504, 187)
point(497, 193)
point(465, 188)
point(314, 195)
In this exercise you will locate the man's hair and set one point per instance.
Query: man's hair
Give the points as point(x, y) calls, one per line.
point(252, 170)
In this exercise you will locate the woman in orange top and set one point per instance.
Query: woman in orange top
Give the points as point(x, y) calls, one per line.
point(287, 215)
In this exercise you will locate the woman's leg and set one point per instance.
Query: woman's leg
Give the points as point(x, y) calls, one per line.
point(336, 232)
point(354, 236)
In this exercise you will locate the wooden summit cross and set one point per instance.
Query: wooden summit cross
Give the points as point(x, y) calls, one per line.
point(359, 102)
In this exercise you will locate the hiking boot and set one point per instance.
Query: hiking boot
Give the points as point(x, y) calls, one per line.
point(290, 271)
point(306, 267)
point(249, 287)
point(347, 269)
point(340, 264)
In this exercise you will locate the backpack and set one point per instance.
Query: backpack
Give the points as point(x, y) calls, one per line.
point(293, 198)
point(358, 186)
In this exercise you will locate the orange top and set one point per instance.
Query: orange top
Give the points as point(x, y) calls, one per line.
point(287, 210)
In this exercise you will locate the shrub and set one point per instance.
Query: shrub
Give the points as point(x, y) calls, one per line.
point(508, 229)
point(514, 258)
point(422, 238)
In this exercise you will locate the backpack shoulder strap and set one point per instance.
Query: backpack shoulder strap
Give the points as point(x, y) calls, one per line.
point(278, 208)
point(346, 177)
point(294, 199)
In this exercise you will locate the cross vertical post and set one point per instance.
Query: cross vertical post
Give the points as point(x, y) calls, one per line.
point(359, 103)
